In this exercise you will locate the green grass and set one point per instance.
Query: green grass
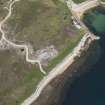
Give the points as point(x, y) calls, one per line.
point(79, 1)
point(102, 0)
point(41, 23)
point(29, 81)
point(66, 50)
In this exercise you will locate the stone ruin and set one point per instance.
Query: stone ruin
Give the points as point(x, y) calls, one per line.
point(46, 55)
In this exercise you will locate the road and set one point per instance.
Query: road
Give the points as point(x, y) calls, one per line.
point(3, 38)
point(59, 69)
point(82, 7)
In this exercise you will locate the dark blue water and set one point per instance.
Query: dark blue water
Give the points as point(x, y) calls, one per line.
point(89, 89)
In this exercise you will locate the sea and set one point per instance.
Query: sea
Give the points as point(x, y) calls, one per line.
point(89, 88)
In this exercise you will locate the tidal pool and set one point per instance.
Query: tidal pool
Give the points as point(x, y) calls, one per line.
point(95, 20)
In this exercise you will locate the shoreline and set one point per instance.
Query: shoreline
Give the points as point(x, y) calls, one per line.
point(56, 91)
point(56, 71)
point(84, 44)
point(60, 68)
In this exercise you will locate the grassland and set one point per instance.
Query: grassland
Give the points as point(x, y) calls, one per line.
point(103, 0)
point(40, 23)
point(3, 11)
point(79, 1)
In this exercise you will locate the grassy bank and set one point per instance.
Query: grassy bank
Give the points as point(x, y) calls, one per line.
point(29, 80)
point(66, 50)
point(40, 23)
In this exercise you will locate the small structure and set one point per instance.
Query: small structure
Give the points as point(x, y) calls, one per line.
point(46, 55)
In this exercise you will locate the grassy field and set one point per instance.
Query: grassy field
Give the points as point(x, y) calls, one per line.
point(79, 1)
point(3, 11)
point(66, 50)
point(40, 23)
point(103, 0)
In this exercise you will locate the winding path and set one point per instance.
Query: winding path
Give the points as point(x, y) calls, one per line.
point(3, 38)
point(59, 69)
